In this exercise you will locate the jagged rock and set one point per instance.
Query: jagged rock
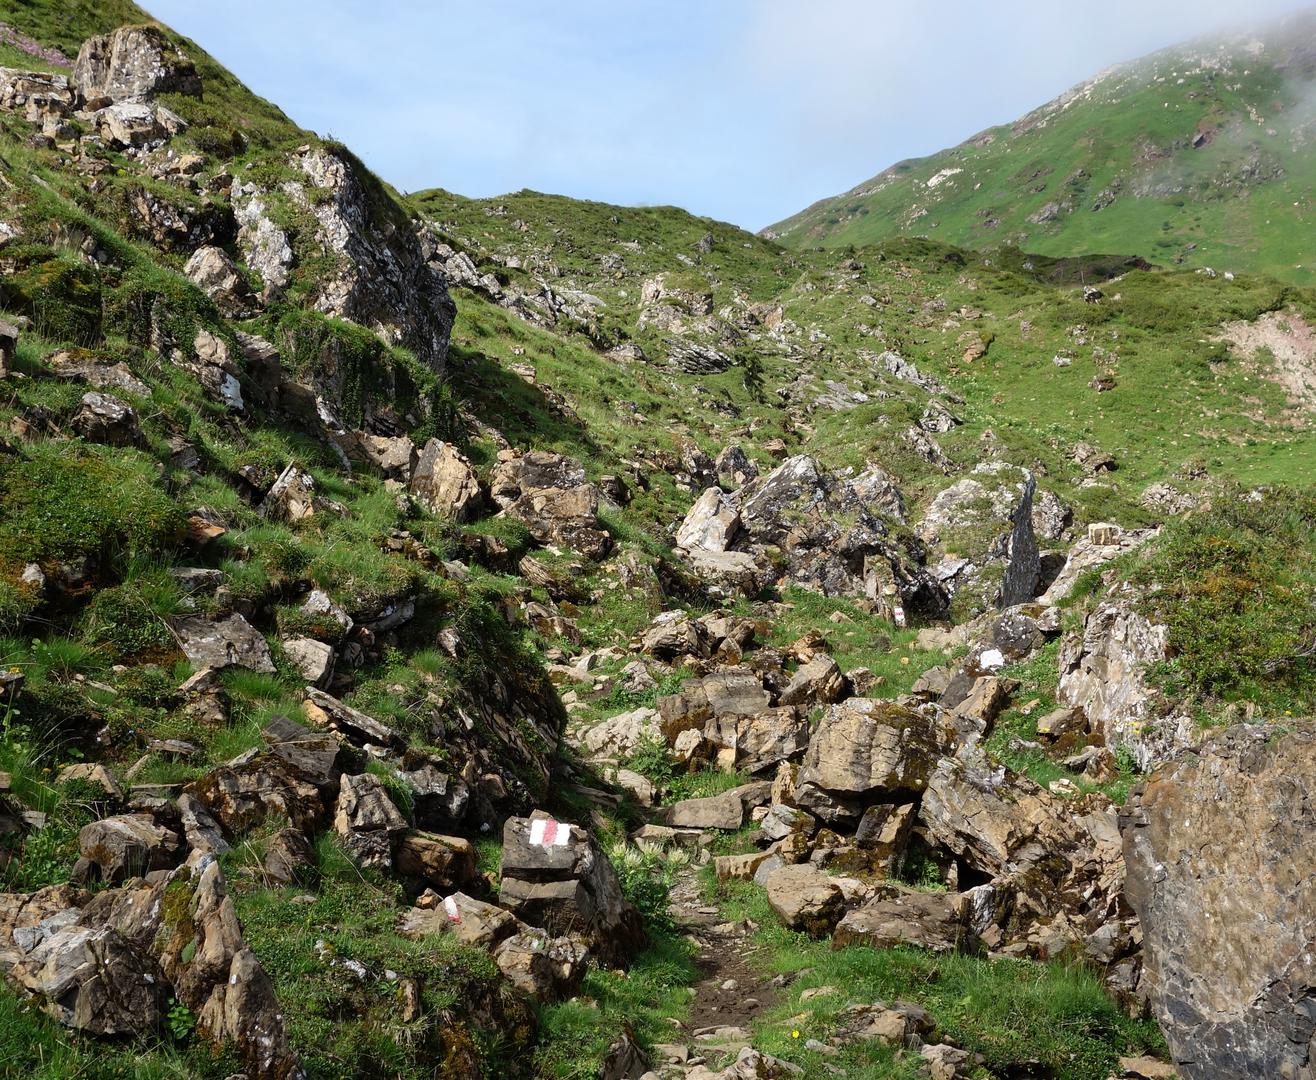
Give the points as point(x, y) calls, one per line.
point(289, 858)
point(755, 743)
point(805, 899)
point(97, 371)
point(90, 978)
point(1023, 565)
point(291, 498)
point(444, 481)
point(1088, 553)
point(734, 468)
point(751, 1064)
point(265, 246)
point(132, 63)
point(244, 792)
point(624, 1060)
point(472, 922)
point(227, 642)
point(711, 524)
point(128, 845)
point(622, 734)
point(738, 867)
point(862, 747)
point(1221, 839)
point(823, 526)
point(133, 125)
point(326, 711)
point(367, 822)
point(546, 968)
point(673, 634)
point(385, 278)
point(899, 1024)
point(819, 682)
point(1103, 673)
point(313, 756)
point(884, 833)
point(550, 495)
point(724, 811)
point(103, 418)
point(438, 862)
point(937, 922)
point(92, 773)
point(945, 1062)
point(332, 622)
point(395, 457)
point(314, 660)
point(555, 877)
point(1051, 516)
point(216, 275)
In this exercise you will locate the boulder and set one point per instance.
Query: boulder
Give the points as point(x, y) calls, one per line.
point(327, 712)
point(864, 747)
point(724, 811)
point(622, 734)
point(132, 63)
point(438, 862)
point(937, 922)
point(394, 456)
point(471, 921)
point(314, 660)
point(289, 859)
point(805, 899)
point(103, 418)
point(445, 483)
point(291, 498)
point(545, 968)
point(129, 845)
point(1218, 844)
point(555, 877)
point(249, 789)
point(367, 822)
point(550, 495)
point(227, 642)
point(97, 371)
point(819, 682)
point(711, 523)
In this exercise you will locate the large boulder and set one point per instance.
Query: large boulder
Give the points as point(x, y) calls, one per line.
point(805, 898)
point(368, 824)
point(132, 63)
point(550, 494)
point(221, 643)
point(1219, 846)
point(555, 877)
point(935, 921)
point(445, 482)
point(129, 845)
point(863, 749)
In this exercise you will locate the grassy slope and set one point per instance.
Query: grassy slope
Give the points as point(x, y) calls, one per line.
point(1241, 202)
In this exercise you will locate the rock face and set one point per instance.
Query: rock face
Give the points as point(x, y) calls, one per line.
point(132, 63)
point(1103, 674)
point(556, 878)
point(367, 821)
point(385, 279)
point(228, 642)
point(1219, 846)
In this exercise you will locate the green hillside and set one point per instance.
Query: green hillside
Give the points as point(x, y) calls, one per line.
point(1196, 156)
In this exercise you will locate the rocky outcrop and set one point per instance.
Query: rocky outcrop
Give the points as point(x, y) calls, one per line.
point(132, 64)
point(802, 524)
point(226, 642)
point(444, 481)
point(1104, 671)
point(550, 494)
point(1219, 846)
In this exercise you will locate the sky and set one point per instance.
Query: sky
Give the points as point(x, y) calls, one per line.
point(742, 110)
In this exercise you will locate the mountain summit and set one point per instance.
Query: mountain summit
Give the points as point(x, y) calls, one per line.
point(1197, 155)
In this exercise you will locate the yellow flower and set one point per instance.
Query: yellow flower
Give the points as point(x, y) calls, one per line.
point(795, 1034)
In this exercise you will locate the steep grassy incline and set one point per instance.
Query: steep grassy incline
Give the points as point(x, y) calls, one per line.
point(1200, 155)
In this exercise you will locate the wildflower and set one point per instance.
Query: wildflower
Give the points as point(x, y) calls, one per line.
point(795, 1034)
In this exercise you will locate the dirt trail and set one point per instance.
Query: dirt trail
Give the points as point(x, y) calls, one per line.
point(725, 956)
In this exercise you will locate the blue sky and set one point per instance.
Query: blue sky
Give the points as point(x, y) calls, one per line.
point(744, 110)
